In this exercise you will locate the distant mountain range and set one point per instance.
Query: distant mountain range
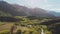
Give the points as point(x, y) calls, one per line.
point(18, 10)
point(57, 14)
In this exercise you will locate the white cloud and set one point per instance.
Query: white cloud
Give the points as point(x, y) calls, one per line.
point(44, 4)
point(35, 3)
point(45, 0)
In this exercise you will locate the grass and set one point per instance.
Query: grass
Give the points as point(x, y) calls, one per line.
point(6, 28)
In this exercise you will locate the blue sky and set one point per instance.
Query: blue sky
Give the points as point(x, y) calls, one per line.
point(53, 5)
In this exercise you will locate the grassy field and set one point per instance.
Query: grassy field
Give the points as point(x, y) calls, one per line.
point(5, 28)
point(25, 26)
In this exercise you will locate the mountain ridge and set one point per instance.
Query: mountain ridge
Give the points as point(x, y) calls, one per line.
point(17, 10)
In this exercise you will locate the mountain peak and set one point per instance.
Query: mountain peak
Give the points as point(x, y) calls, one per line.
point(2, 1)
point(17, 10)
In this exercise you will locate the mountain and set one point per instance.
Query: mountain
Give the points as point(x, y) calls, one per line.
point(4, 14)
point(41, 13)
point(18, 10)
point(4, 6)
point(57, 14)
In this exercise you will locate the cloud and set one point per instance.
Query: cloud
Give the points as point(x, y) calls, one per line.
point(44, 4)
point(34, 3)
point(56, 9)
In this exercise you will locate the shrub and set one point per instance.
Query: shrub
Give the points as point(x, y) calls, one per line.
point(18, 32)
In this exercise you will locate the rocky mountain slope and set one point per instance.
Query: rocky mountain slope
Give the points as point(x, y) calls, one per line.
point(17, 10)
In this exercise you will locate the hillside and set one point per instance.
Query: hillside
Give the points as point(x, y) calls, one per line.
point(4, 14)
point(17, 10)
point(34, 26)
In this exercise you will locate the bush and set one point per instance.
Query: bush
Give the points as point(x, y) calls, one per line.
point(18, 32)
point(5, 33)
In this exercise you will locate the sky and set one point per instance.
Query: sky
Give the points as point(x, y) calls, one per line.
point(52, 5)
